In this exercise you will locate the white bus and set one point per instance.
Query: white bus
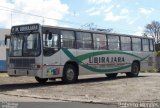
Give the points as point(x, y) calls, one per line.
point(49, 52)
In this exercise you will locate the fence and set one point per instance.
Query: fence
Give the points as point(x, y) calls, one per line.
point(3, 65)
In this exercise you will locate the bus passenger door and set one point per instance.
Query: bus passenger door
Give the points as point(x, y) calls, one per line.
point(51, 53)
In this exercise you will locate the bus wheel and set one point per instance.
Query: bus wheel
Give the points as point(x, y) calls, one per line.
point(112, 75)
point(70, 74)
point(41, 80)
point(134, 70)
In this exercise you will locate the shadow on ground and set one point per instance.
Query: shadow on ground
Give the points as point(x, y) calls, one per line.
point(10, 87)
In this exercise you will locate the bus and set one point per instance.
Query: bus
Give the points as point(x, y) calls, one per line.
point(50, 52)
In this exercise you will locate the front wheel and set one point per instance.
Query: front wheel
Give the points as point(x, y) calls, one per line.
point(134, 70)
point(70, 74)
point(41, 80)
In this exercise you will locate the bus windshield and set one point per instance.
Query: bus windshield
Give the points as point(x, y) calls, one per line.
point(26, 44)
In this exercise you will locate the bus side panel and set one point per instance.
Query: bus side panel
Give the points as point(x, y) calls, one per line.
point(52, 66)
point(149, 63)
point(103, 61)
point(84, 71)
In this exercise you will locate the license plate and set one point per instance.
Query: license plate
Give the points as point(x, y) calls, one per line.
point(22, 72)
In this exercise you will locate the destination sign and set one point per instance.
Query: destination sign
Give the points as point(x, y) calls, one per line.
point(25, 28)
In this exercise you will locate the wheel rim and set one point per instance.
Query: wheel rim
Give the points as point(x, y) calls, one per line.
point(70, 74)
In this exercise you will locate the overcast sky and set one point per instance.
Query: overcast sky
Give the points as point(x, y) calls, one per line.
point(124, 16)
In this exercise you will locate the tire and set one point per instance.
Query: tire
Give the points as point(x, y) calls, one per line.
point(134, 70)
point(41, 80)
point(70, 74)
point(112, 75)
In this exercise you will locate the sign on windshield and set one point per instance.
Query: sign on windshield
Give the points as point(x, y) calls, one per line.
point(25, 28)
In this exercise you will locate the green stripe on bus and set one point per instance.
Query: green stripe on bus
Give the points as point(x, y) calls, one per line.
point(86, 56)
point(82, 57)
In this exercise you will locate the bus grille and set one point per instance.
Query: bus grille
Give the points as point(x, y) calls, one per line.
point(20, 63)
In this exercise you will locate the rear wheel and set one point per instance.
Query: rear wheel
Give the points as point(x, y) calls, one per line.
point(70, 74)
point(134, 70)
point(112, 75)
point(41, 80)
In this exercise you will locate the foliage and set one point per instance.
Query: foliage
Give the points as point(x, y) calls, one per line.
point(158, 54)
point(153, 29)
point(92, 26)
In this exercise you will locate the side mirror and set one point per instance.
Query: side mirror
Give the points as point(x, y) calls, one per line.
point(6, 38)
point(50, 36)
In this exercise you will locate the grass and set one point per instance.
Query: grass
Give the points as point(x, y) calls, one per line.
point(151, 71)
point(3, 74)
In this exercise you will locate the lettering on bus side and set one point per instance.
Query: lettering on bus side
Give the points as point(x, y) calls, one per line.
point(106, 60)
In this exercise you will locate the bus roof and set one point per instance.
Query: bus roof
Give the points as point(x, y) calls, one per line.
point(93, 31)
point(83, 30)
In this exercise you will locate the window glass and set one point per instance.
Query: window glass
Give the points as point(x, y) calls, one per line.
point(30, 40)
point(84, 40)
point(26, 44)
point(50, 44)
point(151, 44)
point(31, 45)
point(16, 45)
point(67, 39)
point(145, 43)
point(136, 44)
point(99, 41)
point(113, 42)
point(125, 43)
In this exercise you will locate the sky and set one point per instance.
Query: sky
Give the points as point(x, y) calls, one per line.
point(123, 16)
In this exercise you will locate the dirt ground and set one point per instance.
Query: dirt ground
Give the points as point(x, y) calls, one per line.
point(94, 88)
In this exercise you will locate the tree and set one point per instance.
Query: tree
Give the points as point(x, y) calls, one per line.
point(89, 26)
point(109, 30)
point(153, 29)
point(92, 26)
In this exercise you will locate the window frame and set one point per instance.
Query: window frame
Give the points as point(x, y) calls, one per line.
point(76, 42)
point(46, 30)
point(134, 43)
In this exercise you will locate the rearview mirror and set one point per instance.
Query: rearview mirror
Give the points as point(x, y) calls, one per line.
point(6, 38)
point(50, 36)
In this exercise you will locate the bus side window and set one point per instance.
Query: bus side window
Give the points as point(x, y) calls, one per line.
point(113, 42)
point(50, 40)
point(136, 44)
point(50, 43)
point(151, 45)
point(99, 41)
point(145, 43)
point(67, 39)
point(126, 43)
point(84, 40)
